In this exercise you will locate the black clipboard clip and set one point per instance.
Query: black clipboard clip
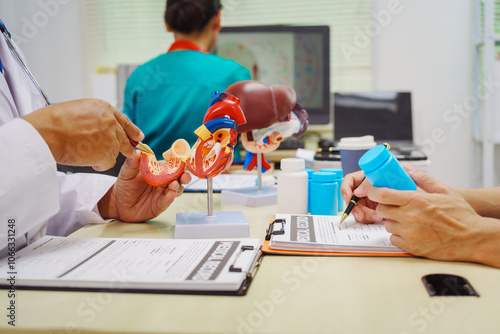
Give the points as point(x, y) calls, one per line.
point(233, 268)
point(272, 230)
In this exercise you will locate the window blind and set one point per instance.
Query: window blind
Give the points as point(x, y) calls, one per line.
point(132, 32)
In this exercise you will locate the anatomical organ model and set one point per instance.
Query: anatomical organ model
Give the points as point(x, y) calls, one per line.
point(212, 153)
point(263, 114)
point(272, 114)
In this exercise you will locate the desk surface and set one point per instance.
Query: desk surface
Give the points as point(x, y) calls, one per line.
point(289, 294)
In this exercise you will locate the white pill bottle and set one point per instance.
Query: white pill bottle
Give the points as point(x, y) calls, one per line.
point(292, 187)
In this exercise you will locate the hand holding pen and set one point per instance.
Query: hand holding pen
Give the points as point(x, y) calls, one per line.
point(354, 183)
point(103, 111)
point(354, 200)
point(86, 132)
point(362, 208)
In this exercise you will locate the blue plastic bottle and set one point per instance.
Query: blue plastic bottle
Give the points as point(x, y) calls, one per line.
point(324, 189)
point(340, 178)
point(382, 169)
point(310, 172)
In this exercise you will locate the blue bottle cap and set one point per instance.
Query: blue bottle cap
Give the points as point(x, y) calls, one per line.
point(324, 177)
point(373, 158)
point(309, 171)
point(338, 171)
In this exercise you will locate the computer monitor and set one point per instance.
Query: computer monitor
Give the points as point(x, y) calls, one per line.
point(297, 56)
point(387, 115)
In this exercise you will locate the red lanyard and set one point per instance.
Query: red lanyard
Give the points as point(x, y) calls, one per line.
point(181, 44)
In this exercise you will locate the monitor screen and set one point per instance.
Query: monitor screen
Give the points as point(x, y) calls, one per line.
point(297, 56)
point(385, 115)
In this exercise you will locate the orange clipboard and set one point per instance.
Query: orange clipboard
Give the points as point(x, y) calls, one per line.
point(266, 249)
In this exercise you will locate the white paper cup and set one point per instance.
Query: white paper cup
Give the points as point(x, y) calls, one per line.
point(351, 149)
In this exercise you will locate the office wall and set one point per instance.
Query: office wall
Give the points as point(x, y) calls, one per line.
point(50, 33)
point(425, 47)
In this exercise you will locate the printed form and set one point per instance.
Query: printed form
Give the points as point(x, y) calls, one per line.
point(162, 264)
point(327, 234)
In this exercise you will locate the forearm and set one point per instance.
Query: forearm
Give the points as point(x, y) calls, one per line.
point(485, 246)
point(107, 206)
point(485, 201)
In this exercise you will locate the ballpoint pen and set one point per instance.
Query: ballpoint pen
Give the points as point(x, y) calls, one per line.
point(354, 199)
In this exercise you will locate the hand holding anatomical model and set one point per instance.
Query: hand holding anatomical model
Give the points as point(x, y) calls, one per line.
point(212, 153)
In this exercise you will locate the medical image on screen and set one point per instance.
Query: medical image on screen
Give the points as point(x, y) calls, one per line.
point(309, 83)
point(268, 56)
point(288, 58)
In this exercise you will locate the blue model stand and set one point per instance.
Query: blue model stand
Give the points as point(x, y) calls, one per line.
point(227, 224)
point(252, 196)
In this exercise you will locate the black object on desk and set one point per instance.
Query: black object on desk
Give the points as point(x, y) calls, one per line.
point(448, 285)
point(326, 151)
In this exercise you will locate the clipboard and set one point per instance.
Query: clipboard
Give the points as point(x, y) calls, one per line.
point(160, 266)
point(277, 227)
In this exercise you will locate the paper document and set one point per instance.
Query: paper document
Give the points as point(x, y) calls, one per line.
point(137, 264)
point(221, 182)
point(326, 234)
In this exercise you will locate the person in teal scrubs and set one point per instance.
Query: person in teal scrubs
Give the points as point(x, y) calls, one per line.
point(167, 97)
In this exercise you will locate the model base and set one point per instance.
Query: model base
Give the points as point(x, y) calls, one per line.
point(226, 224)
point(251, 196)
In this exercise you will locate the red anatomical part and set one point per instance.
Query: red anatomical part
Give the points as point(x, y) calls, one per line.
point(205, 164)
point(262, 104)
point(158, 173)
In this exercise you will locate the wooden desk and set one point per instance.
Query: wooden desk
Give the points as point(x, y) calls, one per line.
point(288, 295)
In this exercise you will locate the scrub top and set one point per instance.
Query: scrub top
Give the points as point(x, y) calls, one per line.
point(167, 97)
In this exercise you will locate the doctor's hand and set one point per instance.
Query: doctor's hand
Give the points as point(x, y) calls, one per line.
point(87, 132)
point(436, 222)
point(364, 210)
point(131, 199)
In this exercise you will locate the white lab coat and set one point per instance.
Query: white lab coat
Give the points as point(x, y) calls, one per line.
point(39, 199)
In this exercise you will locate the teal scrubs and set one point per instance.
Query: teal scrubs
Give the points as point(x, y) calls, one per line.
point(168, 96)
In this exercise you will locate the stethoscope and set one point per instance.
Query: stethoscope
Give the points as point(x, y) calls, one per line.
point(18, 58)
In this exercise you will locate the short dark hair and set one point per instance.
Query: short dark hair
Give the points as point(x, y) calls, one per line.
point(187, 16)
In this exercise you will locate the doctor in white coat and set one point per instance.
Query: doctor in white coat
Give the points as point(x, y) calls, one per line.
point(35, 199)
